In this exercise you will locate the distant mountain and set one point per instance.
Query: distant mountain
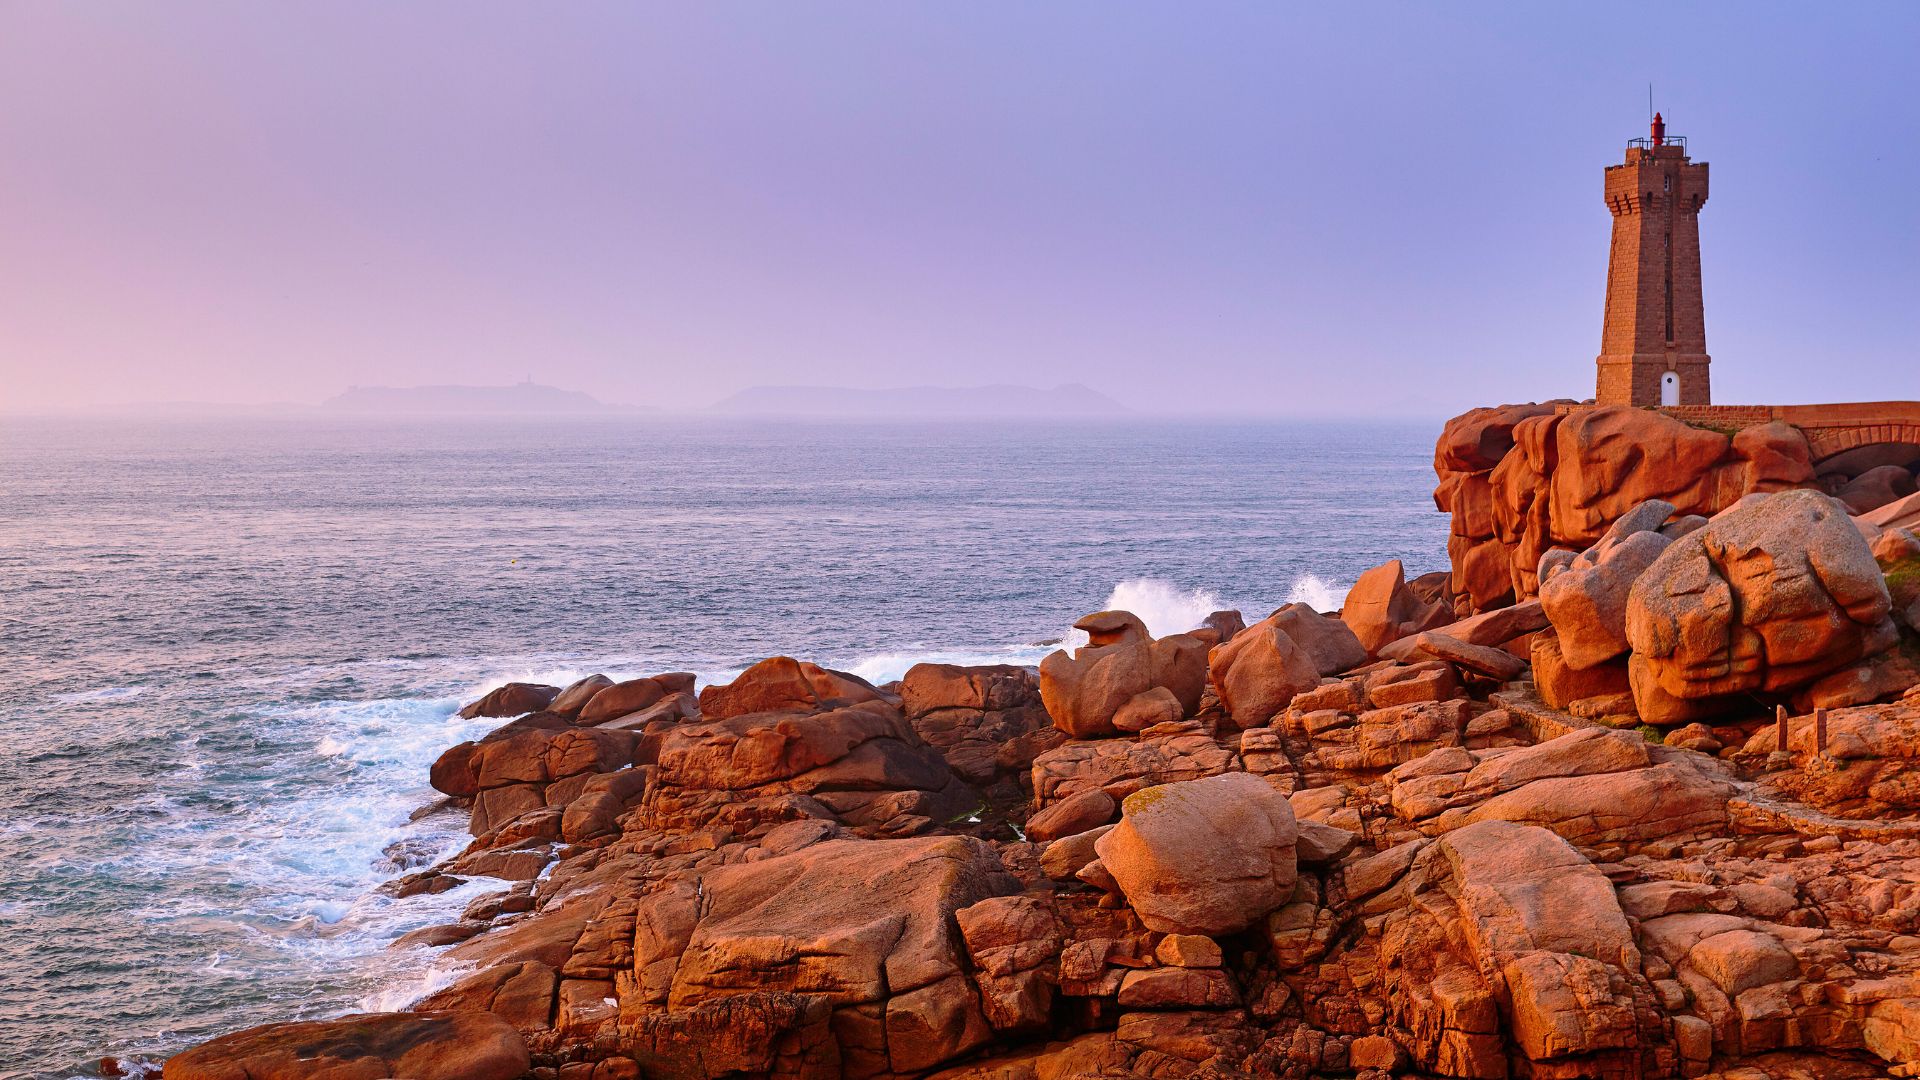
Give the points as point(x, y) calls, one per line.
point(521, 399)
point(922, 402)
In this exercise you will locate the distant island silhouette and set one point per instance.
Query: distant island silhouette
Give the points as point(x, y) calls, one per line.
point(971, 402)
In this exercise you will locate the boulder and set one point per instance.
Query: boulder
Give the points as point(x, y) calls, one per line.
point(1563, 479)
point(1560, 684)
point(371, 1046)
point(1082, 691)
point(1380, 608)
point(1224, 624)
point(621, 699)
point(1124, 766)
point(1672, 799)
point(928, 688)
point(1433, 587)
point(1064, 858)
point(1382, 738)
point(1738, 960)
point(1592, 786)
point(1151, 709)
point(1478, 439)
point(1875, 488)
point(987, 722)
point(1178, 988)
point(783, 684)
point(1880, 677)
point(521, 992)
point(1328, 641)
point(1609, 460)
point(1498, 626)
point(1209, 856)
point(452, 772)
point(1260, 671)
point(863, 925)
point(513, 699)
point(1900, 514)
point(1089, 809)
point(1897, 551)
point(1432, 680)
point(862, 763)
point(1509, 937)
point(571, 700)
point(1497, 664)
point(1013, 941)
point(1586, 601)
point(1771, 595)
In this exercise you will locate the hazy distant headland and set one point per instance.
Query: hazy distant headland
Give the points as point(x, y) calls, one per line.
point(923, 402)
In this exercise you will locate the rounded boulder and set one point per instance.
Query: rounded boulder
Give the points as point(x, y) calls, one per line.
point(1210, 856)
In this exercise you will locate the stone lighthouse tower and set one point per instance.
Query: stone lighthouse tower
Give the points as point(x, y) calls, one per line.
point(1653, 346)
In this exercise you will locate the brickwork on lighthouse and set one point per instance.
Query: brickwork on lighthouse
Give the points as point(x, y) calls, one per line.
point(1653, 344)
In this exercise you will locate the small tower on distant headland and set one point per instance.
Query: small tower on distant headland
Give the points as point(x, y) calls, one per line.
point(1653, 346)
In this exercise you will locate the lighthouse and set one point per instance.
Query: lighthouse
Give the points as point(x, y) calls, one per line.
point(1653, 342)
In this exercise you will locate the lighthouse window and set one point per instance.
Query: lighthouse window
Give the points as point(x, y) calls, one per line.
point(1666, 183)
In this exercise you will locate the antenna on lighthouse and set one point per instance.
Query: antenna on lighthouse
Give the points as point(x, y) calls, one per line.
point(1649, 103)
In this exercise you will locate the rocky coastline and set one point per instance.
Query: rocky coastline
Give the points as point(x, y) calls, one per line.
point(1632, 791)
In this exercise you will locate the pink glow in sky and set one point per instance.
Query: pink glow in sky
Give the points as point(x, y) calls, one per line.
point(1191, 207)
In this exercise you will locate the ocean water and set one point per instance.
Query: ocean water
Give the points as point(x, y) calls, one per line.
point(229, 649)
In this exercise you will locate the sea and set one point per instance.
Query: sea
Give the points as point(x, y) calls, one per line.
point(230, 648)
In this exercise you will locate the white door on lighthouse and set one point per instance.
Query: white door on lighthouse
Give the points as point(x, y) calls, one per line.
point(1670, 389)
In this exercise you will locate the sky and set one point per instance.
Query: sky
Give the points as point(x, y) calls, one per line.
point(1335, 209)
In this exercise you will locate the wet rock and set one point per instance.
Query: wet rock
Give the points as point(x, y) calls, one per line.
point(512, 699)
point(1225, 625)
point(420, 1046)
point(452, 772)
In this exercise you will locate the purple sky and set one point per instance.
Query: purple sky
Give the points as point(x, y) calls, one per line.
point(1195, 207)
